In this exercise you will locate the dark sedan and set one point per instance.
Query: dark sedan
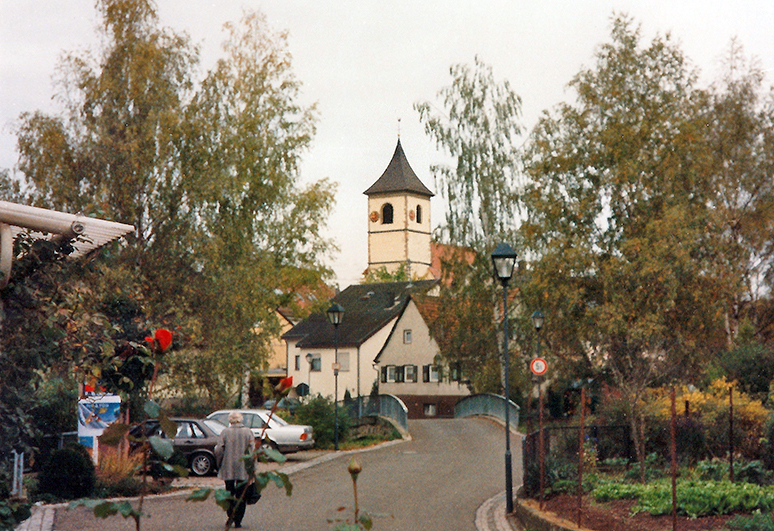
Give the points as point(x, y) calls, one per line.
point(195, 439)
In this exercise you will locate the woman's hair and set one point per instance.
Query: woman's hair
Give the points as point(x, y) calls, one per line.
point(235, 417)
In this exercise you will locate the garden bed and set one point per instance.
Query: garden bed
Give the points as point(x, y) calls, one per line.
point(617, 516)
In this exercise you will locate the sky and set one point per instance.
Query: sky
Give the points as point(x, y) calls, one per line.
point(365, 63)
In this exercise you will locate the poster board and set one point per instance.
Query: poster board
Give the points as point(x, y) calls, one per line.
point(95, 413)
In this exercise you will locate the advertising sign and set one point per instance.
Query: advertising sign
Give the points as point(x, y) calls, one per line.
point(95, 413)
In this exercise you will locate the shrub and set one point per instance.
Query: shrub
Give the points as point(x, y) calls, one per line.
point(319, 413)
point(754, 522)
point(68, 474)
point(116, 474)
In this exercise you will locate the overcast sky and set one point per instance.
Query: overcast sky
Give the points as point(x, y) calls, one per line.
point(366, 63)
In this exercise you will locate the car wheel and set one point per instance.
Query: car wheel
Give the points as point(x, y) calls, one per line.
point(201, 464)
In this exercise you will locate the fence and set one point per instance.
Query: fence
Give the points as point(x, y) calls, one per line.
point(388, 406)
point(487, 404)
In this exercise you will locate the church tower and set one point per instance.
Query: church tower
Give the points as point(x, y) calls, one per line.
point(399, 219)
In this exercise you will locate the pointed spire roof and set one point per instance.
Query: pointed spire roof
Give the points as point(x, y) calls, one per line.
point(399, 177)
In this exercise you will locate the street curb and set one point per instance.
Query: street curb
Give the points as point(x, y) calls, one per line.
point(42, 518)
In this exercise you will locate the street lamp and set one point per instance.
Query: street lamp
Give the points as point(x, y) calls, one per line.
point(310, 360)
point(503, 260)
point(335, 316)
point(537, 322)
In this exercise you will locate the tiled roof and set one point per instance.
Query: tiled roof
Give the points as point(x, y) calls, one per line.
point(367, 309)
point(398, 177)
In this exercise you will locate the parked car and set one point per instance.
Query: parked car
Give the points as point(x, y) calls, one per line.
point(286, 402)
point(195, 439)
point(287, 438)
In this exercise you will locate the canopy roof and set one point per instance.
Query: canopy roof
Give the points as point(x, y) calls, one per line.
point(92, 233)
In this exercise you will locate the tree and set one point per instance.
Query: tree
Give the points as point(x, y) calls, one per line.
point(478, 129)
point(620, 222)
point(206, 171)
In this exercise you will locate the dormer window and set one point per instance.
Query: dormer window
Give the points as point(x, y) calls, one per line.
point(419, 213)
point(387, 214)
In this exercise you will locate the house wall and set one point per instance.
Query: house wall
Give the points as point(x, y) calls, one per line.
point(323, 382)
point(419, 396)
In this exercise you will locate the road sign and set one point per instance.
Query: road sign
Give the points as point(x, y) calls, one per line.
point(538, 366)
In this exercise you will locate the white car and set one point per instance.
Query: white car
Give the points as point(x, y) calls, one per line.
point(280, 435)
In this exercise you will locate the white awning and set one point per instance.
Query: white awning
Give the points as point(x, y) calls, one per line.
point(93, 233)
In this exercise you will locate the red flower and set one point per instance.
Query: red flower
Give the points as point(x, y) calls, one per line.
point(161, 341)
point(164, 338)
point(285, 384)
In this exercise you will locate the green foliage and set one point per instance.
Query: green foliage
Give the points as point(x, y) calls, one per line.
point(374, 276)
point(694, 498)
point(207, 172)
point(754, 522)
point(319, 413)
point(13, 512)
point(68, 474)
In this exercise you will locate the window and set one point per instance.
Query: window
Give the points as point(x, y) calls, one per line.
point(298, 362)
point(430, 373)
point(407, 336)
point(388, 374)
point(419, 213)
point(344, 361)
point(400, 374)
point(387, 214)
point(430, 410)
point(456, 372)
point(316, 363)
point(411, 373)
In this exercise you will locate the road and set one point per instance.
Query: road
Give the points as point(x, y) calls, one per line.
point(435, 482)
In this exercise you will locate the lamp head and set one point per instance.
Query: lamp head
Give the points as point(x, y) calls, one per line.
point(335, 314)
point(537, 320)
point(503, 260)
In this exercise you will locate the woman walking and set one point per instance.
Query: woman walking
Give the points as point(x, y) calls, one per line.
point(236, 441)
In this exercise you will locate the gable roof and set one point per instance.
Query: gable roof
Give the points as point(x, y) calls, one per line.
point(367, 309)
point(427, 306)
point(399, 177)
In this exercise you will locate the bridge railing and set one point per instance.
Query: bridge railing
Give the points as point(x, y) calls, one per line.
point(487, 404)
point(389, 406)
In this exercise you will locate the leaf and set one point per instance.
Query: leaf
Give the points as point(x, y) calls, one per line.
point(113, 434)
point(274, 455)
point(169, 427)
point(152, 409)
point(366, 521)
point(223, 498)
point(200, 495)
point(163, 447)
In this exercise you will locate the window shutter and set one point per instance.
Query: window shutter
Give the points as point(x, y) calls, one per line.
point(425, 373)
point(384, 374)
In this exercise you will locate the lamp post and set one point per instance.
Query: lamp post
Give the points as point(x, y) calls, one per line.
point(503, 260)
point(309, 360)
point(335, 315)
point(537, 322)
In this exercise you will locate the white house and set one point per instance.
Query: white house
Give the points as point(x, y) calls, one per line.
point(410, 367)
point(370, 313)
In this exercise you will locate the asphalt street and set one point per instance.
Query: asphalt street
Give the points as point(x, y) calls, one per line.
point(436, 481)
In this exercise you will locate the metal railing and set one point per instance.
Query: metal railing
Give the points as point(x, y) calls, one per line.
point(18, 474)
point(489, 405)
point(388, 406)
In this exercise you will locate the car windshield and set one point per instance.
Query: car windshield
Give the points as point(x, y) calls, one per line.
point(276, 421)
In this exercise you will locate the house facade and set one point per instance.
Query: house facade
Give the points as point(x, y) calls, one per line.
point(314, 345)
point(410, 368)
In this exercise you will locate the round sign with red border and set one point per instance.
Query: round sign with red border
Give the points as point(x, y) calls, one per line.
point(538, 366)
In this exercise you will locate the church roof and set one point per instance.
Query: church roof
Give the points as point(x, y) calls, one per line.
point(399, 177)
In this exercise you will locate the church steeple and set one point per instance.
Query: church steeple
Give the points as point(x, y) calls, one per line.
point(399, 219)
